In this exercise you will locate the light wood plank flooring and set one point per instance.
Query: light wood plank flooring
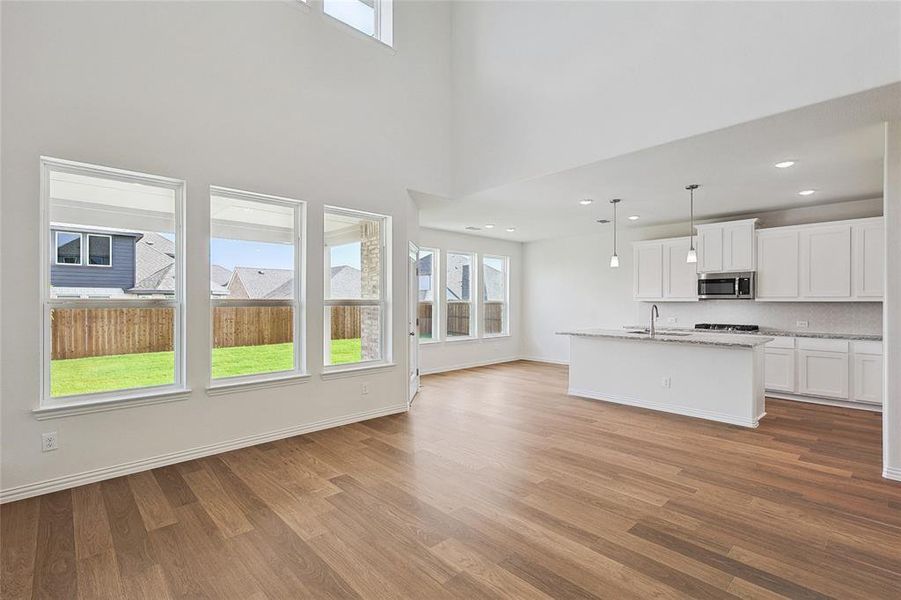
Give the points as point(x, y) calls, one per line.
point(495, 485)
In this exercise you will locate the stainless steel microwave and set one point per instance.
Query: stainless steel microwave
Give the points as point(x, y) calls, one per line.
point(726, 286)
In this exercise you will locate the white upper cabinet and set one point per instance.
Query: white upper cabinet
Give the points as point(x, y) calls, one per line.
point(823, 262)
point(661, 272)
point(648, 271)
point(680, 278)
point(777, 264)
point(727, 247)
point(868, 259)
point(825, 265)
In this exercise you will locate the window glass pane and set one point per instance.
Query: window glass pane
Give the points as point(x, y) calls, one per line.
point(458, 322)
point(359, 14)
point(106, 349)
point(353, 255)
point(248, 340)
point(494, 278)
point(134, 225)
point(426, 310)
point(251, 249)
point(252, 261)
point(68, 248)
point(425, 266)
point(458, 284)
point(99, 250)
point(353, 334)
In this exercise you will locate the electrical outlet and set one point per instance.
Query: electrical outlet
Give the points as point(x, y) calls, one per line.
point(665, 382)
point(802, 324)
point(364, 389)
point(49, 441)
point(672, 320)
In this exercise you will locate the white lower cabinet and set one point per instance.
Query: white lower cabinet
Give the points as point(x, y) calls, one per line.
point(833, 369)
point(780, 369)
point(823, 374)
point(867, 385)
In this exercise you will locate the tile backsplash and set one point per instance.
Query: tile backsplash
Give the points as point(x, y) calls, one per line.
point(827, 317)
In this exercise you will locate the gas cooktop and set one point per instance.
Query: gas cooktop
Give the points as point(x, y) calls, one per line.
point(727, 327)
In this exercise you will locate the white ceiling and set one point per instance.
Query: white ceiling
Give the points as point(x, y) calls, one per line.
point(838, 146)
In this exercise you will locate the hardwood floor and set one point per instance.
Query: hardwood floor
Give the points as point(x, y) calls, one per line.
point(497, 484)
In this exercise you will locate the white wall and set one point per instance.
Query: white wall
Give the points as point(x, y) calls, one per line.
point(270, 97)
point(891, 414)
point(448, 355)
point(568, 284)
point(545, 86)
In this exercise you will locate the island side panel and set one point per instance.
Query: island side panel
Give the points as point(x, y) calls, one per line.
point(711, 382)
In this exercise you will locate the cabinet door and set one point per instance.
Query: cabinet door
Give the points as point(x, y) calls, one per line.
point(779, 369)
point(710, 249)
point(825, 265)
point(868, 264)
point(867, 377)
point(738, 247)
point(777, 264)
point(823, 373)
point(680, 278)
point(648, 271)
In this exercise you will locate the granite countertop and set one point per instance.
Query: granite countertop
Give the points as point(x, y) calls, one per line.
point(703, 339)
point(766, 331)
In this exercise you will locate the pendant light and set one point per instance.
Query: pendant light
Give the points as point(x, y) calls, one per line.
point(614, 260)
point(692, 253)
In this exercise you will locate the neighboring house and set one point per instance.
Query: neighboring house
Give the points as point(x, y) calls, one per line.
point(458, 280)
point(103, 263)
point(277, 284)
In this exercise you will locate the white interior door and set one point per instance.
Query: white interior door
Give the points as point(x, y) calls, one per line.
point(413, 319)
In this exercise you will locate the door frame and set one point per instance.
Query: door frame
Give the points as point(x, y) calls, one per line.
point(413, 377)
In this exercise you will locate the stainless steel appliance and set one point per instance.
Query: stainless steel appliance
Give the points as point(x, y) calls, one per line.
point(726, 286)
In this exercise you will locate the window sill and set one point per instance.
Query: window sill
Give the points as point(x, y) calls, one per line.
point(340, 372)
point(233, 387)
point(107, 404)
point(469, 338)
point(428, 342)
point(496, 336)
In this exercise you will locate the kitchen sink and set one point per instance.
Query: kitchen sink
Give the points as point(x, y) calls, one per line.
point(659, 333)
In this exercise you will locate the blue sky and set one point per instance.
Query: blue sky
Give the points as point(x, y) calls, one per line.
point(240, 253)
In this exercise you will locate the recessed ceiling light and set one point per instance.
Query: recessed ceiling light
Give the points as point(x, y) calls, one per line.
point(489, 226)
point(784, 164)
point(511, 229)
point(633, 217)
point(586, 201)
point(806, 192)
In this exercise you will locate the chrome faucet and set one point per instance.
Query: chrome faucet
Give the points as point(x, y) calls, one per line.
point(655, 314)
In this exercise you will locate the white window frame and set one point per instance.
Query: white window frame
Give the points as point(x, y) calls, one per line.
point(49, 404)
point(87, 250)
point(383, 301)
point(505, 323)
point(436, 295)
point(56, 248)
point(383, 21)
point(298, 302)
point(473, 301)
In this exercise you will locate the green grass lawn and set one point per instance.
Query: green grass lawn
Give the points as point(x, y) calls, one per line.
point(104, 373)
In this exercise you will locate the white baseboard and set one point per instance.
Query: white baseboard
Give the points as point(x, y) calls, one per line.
point(472, 365)
point(550, 361)
point(892, 473)
point(69, 481)
point(710, 415)
point(824, 401)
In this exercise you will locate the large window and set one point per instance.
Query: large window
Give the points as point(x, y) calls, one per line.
point(111, 332)
point(427, 312)
point(255, 286)
point(459, 285)
point(494, 295)
point(371, 17)
point(356, 287)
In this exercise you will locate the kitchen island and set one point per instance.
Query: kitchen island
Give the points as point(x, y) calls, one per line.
point(712, 376)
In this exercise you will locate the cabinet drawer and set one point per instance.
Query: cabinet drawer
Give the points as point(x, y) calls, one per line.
point(822, 344)
point(866, 347)
point(781, 342)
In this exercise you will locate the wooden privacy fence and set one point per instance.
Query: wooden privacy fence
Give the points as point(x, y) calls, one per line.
point(84, 332)
point(458, 318)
